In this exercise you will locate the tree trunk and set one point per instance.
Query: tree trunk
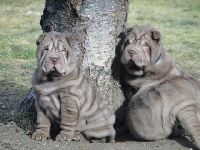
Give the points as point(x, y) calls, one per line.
point(95, 26)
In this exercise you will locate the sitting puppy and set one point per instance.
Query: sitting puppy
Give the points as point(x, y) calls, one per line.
point(65, 96)
point(165, 98)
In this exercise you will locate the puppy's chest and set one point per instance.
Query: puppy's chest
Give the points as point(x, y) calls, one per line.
point(51, 105)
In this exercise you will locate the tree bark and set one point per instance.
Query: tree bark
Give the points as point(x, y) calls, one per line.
point(95, 26)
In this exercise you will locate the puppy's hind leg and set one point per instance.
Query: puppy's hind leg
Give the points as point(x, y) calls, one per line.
point(190, 122)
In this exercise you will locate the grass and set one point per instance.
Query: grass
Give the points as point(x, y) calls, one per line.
point(18, 31)
point(177, 20)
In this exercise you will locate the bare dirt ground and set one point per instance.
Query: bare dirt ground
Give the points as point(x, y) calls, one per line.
point(13, 138)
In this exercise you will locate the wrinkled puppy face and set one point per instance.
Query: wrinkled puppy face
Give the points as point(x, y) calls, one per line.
point(54, 53)
point(142, 47)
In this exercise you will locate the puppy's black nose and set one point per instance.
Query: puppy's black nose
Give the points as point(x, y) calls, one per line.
point(131, 52)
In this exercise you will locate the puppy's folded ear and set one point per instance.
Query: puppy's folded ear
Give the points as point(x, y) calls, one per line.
point(70, 40)
point(40, 38)
point(155, 35)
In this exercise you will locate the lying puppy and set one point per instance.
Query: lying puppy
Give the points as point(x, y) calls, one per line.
point(65, 96)
point(165, 97)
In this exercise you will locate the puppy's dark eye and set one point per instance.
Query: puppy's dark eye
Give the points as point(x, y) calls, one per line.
point(46, 48)
point(127, 43)
point(145, 44)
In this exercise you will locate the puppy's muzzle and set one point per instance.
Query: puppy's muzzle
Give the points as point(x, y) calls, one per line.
point(131, 53)
point(54, 60)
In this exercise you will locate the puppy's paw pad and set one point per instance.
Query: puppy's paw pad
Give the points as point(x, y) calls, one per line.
point(64, 137)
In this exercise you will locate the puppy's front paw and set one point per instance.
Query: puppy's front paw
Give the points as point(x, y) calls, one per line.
point(39, 136)
point(79, 137)
point(64, 136)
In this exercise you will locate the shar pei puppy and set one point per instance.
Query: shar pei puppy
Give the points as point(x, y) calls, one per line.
point(64, 95)
point(163, 101)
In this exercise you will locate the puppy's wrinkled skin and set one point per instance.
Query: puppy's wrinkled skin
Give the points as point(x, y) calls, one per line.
point(65, 96)
point(165, 97)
